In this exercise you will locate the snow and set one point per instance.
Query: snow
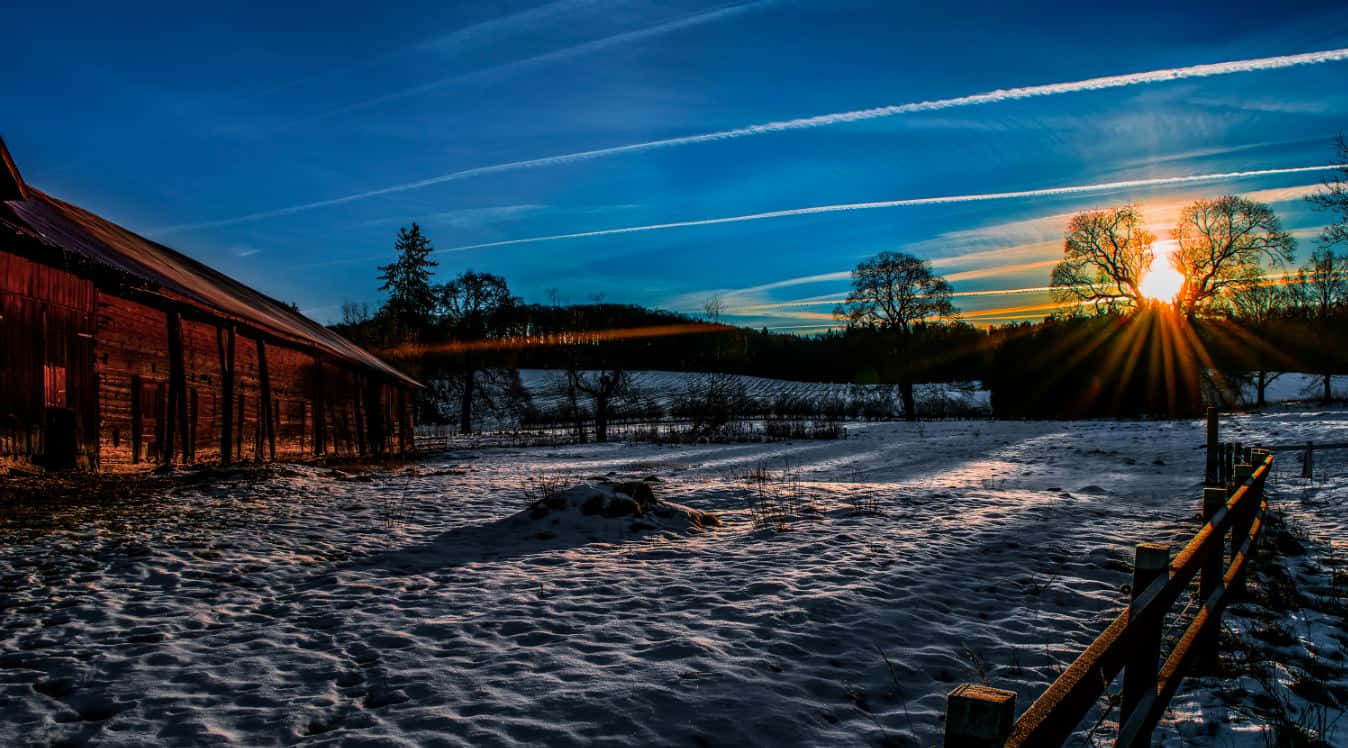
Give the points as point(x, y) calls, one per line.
point(423, 605)
point(1286, 387)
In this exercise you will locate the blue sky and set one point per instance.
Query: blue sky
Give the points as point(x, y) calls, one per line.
point(286, 145)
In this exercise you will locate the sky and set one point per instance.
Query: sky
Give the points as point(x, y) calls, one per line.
point(662, 153)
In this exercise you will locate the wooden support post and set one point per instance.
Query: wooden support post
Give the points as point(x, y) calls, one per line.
point(358, 392)
point(137, 419)
point(161, 425)
point(978, 716)
point(177, 399)
point(259, 428)
point(320, 421)
point(1151, 561)
point(268, 422)
point(1307, 461)
point(1228, 462)
point(1210, 474)
point(1210, 578)
point(224, 343)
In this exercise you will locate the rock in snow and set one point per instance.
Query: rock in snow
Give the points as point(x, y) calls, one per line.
point(604, 508)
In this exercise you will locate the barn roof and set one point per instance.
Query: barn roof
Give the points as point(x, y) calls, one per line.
point(69, 227)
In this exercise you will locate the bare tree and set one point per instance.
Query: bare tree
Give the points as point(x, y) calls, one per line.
point(354, 313)
point(1256, 303)
point(603, 387)
point(893, 292)
point(1224, 243)
point(1104, 256)
point(474, 306)
point(713, 308)
point(1334, 198)
point(1321, 290)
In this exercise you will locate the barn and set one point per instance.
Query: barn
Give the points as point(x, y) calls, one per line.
point(118, 353)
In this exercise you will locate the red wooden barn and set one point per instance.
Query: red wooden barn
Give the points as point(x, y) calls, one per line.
point(117, 352)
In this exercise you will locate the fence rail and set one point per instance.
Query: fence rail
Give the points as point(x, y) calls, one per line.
point(1233, 507)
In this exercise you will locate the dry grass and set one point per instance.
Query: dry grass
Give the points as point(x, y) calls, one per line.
point(776, 499)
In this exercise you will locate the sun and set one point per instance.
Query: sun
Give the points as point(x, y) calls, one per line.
point(1162, 281)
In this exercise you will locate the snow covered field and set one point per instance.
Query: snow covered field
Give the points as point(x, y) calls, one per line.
point(411, 608)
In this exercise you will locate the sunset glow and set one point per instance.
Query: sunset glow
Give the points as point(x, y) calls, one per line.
point(1162, 281)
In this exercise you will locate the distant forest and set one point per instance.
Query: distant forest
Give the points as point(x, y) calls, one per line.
point(1240, 312)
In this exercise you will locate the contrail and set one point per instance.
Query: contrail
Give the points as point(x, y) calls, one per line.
point(677, 24)
point(756, 309)
point(843, 207)
point(477, 34)
point(990, 97)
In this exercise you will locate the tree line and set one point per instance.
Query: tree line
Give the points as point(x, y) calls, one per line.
point(1241, 311)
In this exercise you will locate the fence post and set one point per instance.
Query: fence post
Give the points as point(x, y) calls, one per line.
point(1241, 521)
point(1258, 455)
point(1210, 578)
point(1151, 561)
point(978, 716)
point(1306, 461)
point(1210, 477)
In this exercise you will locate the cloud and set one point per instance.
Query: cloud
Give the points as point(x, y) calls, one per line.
point(823, 120)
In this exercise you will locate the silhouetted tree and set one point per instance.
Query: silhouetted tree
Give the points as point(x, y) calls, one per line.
point(1104, 256)
point(354, 313)
point(894, 292)
point(1334, 198)
point(1225, 243)
point(1321, 290)
point(407, 279)
point(603, 387)
point(1257, 304)
point(475, 307)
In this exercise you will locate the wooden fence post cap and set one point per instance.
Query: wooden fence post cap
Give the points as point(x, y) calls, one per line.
point(977, 715)
point(1152, 556)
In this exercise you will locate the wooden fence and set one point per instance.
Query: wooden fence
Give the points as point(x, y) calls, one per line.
point(1233, 507)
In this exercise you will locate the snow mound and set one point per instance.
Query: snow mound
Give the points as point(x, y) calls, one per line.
point(609, 509)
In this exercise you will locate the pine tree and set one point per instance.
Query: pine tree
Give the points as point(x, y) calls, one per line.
point(408, 278)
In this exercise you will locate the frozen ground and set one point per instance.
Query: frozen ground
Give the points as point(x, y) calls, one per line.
point(417, 607)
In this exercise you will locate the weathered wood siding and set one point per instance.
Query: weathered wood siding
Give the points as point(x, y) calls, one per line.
point(133, 368)
point(242, 399)
point(46, 349)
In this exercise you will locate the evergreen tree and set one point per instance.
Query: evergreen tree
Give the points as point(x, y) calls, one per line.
point(408, 279)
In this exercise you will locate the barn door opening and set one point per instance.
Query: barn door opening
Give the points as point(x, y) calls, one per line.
point(59, 437)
